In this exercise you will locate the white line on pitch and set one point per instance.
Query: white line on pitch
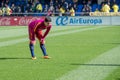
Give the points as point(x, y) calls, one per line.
point(11, 42)
point(97, 69)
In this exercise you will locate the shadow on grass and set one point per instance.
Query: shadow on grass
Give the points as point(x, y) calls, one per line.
point(12, 58)
point(96, 64)
point(118, 79)
point(113, 43)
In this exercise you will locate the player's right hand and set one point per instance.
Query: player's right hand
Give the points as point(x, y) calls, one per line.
point(42, 41)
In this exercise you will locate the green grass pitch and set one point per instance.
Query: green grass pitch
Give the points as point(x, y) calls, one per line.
point(70, 47)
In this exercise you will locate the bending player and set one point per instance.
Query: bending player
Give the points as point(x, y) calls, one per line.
point(35, 29)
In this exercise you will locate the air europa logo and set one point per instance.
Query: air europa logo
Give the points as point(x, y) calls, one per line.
point(64, 20)
point(84, 21)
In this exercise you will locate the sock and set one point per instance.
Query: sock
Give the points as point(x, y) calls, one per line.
point(31, 46)
point(42, 46)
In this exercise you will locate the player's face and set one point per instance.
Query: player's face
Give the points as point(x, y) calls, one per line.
point(47, 24)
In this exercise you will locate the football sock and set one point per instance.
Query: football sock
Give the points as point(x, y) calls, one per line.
point(42, 46)
point(31, 46)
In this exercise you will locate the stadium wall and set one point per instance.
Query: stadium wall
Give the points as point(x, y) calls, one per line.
point(63, 20)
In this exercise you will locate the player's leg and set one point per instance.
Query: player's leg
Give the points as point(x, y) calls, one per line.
point(31, 46)
point(32, 43)
point(42, 45)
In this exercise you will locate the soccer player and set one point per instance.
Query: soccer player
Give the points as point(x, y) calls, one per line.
point(35, 29)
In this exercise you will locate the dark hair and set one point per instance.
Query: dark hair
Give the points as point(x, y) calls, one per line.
point(47, 19)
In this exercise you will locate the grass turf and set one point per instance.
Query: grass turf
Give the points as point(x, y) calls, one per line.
point(67, 52)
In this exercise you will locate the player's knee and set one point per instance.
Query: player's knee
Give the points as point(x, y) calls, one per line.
point(42, 42)
point(33, 42)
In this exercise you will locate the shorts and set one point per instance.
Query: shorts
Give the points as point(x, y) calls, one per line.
point(33, 34)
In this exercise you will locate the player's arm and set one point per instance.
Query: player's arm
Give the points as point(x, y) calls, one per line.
point(46, 32)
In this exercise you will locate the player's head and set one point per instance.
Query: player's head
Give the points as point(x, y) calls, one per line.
point(47, 20)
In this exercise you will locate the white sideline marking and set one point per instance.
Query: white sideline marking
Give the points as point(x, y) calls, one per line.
point(74, 31)
point(97, 69)
point(11, 42)
point(11, 33)
point(59, 28)
point(23, 31)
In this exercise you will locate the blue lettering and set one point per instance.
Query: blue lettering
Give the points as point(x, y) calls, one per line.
point(71, 21)
point(90, 21)
point(61, 20)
